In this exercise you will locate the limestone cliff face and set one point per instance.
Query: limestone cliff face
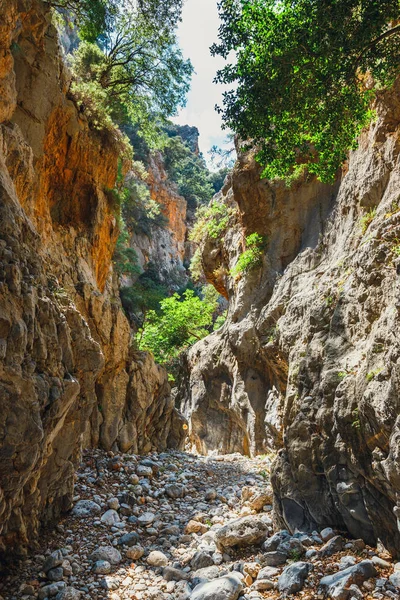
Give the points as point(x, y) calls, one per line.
point(68, 374)
point(308, 360)
point(165, 246)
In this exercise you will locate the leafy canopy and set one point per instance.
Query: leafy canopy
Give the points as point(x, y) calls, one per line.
point(303, 76)
point(188, 171)
point(139, 68)
point(128, 69)
point(94, 17)
point(181, 321)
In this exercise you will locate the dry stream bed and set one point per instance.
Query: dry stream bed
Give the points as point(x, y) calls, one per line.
point(174, 526)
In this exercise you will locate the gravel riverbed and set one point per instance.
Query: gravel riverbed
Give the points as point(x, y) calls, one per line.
point(175, 526)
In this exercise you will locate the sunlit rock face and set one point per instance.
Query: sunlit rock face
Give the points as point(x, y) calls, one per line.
point(69, 377)
point(164, 247)
point(307, 362)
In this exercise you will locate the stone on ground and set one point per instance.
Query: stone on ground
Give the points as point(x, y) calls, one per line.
point(224, 588)
point(246, 531)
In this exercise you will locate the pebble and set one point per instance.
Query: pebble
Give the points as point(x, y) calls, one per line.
point(157, 559)
point(111, 517)
point(174, 526)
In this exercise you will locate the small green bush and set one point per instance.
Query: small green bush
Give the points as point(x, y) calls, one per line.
point(181, 321)
point(211, 220)
point(367, 219)
point(251, 258)
point(372, 374)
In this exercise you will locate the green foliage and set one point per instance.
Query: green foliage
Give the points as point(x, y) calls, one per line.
point(224, 157)
point(273, 333)
point(294, 555)
point(196, 265)
point(92, 100)
point(91, 16)
point(372, 374)
point(394, 208)
point(211, 220)
point(251, 258)
point(188, 171)
point(367, 219)
point(220, 320)
point(300, 78)
point(182, 320)
point(125, 258)
point(140, 213)
point(217, 178)
point(329, 300)
point(145, 294)
point(94, 18)
point(133, 72)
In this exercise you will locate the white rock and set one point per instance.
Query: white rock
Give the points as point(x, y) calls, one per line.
point(157, 559)
point(110, 517)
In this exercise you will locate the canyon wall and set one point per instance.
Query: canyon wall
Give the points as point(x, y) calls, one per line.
point(164, 247)
point(69, 374)
point(308, 361)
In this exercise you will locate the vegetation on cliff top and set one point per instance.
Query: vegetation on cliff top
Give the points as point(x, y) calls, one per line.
point(305, 75)
point(129, 77)
point(134, 70)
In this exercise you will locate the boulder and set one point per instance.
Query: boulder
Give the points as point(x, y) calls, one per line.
point(224, 588)
point(337, 585)
point(245, 531)
point(293, 577)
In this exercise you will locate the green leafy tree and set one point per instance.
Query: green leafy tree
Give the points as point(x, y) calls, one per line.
point(305, 74)
point(91, 16)
point(217, 178)
point(141, 214)
point(182, 321)
point(146, 294)
point(133, 72)
point(188, 171)
point(94, 17)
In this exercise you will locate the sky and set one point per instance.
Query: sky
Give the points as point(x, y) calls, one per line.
point(197, 31)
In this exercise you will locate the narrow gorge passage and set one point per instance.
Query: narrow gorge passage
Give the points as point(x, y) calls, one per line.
point(199, 336)
point(155, 527)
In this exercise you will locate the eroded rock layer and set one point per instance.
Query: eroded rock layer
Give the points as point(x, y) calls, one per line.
point(309, 358)
point(69, 376)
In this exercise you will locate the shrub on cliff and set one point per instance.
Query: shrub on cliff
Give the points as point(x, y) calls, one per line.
point(251, 258)
point(211, 220)
point(304, 77)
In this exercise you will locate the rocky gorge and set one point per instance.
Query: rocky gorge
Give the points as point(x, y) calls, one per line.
point(69, 375)
point(290, 483)
point(307, 361)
